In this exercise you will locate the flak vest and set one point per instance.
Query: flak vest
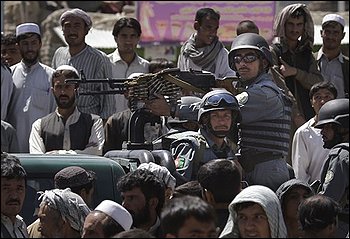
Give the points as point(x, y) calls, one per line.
point(80, 132)
point(271, 135)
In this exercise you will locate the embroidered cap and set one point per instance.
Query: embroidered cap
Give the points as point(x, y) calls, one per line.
point(335, 18)
point(27, 28)
point(73, 176)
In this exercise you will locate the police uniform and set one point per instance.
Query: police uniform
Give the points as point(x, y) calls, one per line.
point(335, 183)
point(196, 149)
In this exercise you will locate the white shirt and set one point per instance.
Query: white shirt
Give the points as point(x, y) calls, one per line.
point(16, 230)
point(96, 139)
point(222, 68)
point(6, 90)
point(32, 99)
point(332, 71)
point(308, 154)
point(121, 70)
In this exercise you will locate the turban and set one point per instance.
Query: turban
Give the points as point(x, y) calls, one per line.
point(76, 12)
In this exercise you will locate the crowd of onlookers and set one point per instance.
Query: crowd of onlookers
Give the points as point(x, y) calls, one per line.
point(264, 155)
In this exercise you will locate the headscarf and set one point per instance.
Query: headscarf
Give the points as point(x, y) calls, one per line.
point(307, 39)
point(290, 184)
point(268, 200)
point(161, 172)
point(204, 57)
point(77, 12)
point(71, 206)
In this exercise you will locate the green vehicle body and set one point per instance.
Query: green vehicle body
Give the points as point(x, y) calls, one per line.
point(41, 169)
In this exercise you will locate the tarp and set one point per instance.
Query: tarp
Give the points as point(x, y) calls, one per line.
point(172, 21)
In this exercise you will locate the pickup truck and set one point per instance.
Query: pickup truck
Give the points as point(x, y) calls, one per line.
point(41, 169)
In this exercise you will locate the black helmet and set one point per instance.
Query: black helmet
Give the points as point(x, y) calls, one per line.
point(334, 111)
point(219, 100)
point(250, 41)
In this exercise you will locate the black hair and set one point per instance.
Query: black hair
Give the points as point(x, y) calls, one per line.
point(206, 12)
point(192, 188)
point(148, 183)
point(27, 35)
point(9, 39)
point(160, 64)
point(177, 210)
point(317, 212)
point(247, 26)
point(126, 22)
point(11, 168)
point(323, 85)
point(222, 177)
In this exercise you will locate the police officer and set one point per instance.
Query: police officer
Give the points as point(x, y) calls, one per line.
point(334, 125)
point(218, 116)
point(266, 113)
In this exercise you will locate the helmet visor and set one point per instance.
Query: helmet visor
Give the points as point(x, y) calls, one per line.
point(221, 100)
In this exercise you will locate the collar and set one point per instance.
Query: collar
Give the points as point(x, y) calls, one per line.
point(28, 69)
point(153, 229)
point(116, 57)
point(321, 54)
point(73, 118)
point(18, 221)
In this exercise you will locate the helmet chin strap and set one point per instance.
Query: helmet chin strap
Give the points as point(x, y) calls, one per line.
point(219, 133)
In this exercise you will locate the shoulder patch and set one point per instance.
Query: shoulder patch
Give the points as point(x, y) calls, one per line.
point(242, 98)
point(329, 176)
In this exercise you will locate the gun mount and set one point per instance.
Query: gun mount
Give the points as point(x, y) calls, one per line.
point(168, 82)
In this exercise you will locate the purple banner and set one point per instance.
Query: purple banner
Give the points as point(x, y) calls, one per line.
point(172, 21)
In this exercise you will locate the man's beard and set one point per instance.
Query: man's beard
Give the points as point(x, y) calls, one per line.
point(141, 217)
point(65, 105)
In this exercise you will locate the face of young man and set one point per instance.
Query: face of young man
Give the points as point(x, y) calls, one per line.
point(11, 54)
point(206, 31)
point(30, 48)
point(127, 40)
point(135, 202)
point(332, 35)
point(12, 196)
point(252, 222)
point(292, 200)
point(192, 228)
point(294, 28)
point(221, 120)
point(74, 31)
point(64, 93)
point(320, 98)
point(247, 63)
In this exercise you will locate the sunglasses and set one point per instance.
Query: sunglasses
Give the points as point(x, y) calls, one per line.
point(246, 59)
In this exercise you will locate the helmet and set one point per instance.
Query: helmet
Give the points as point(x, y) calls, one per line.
point(334, 111)
point(218, 100)
point(250, 41)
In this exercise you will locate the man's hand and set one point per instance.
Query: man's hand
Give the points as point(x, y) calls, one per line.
point(286, 69)
point(158, 106)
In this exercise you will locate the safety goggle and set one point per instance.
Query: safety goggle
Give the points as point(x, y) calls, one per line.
point(246, 59)
point(216, 100)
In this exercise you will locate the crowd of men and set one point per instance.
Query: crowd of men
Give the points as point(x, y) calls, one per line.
point(256, 149)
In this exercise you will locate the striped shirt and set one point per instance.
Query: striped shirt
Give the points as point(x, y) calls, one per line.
point(95, 65)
